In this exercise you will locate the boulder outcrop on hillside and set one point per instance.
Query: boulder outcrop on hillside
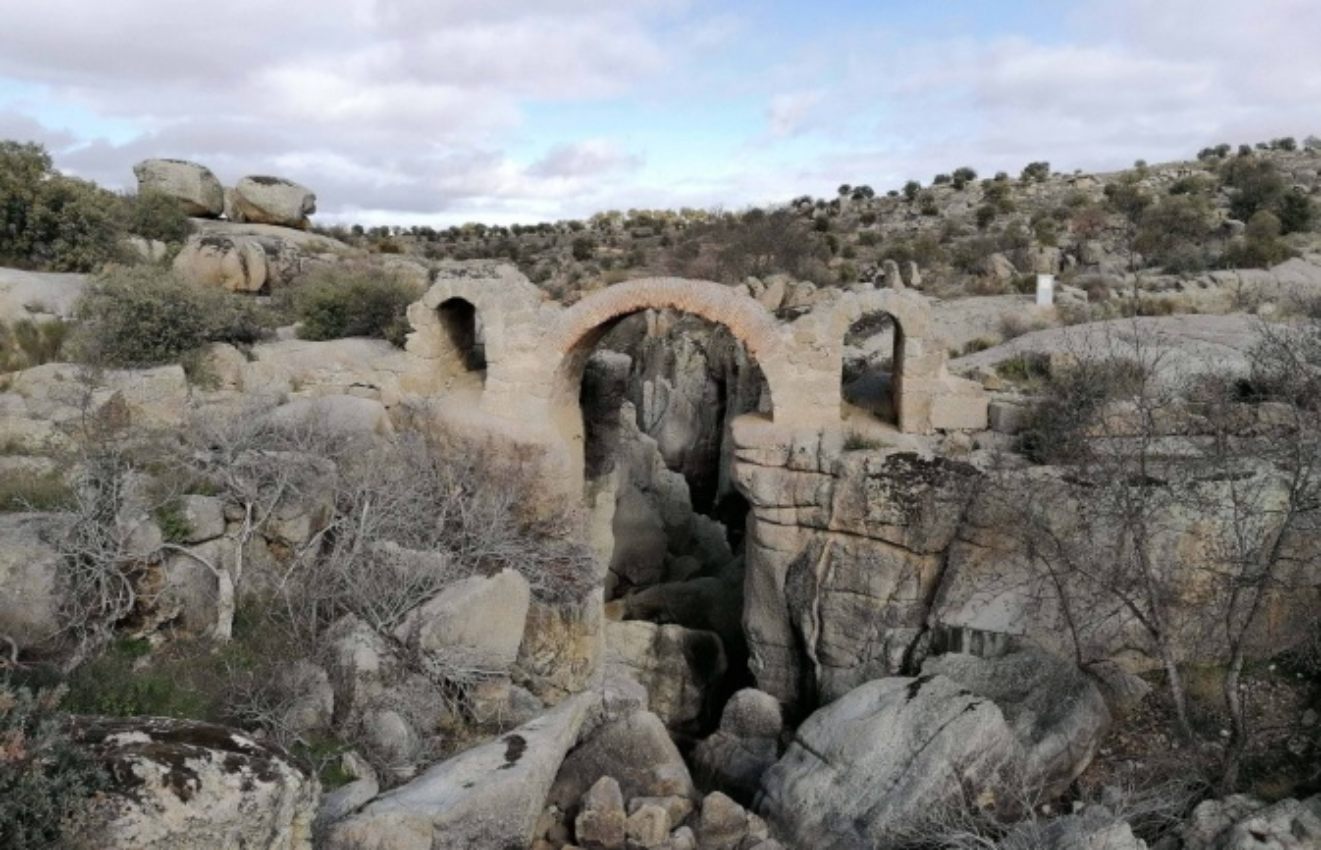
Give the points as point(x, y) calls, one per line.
point(181, 783)
point(876, 761)
point(273, 200)
point(489, 796)
point(234, 264)
point(29, 574)
point(676, 665)
point(1055, 710)
point(736, 756)
point(1240, 822)
point(197, 190)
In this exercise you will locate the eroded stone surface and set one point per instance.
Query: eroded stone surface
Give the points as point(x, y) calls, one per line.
point(181, 783)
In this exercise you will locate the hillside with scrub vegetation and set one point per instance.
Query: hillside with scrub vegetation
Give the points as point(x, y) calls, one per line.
point(296, 551)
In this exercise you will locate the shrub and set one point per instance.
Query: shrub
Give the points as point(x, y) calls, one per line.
point(1037, 172)
point(973, 346)
point(1015, 324)
point(985, 215)
point(941, 179)
point(1070, 399)
point(1027, 367)
point(26, 343)
point(1193, 184)
point(583, 248)
point(963, 176)
point(1256, 184)
point(34, 491)
point(997, 194)
point(1172, 232)
point(1127, 198)
point(45, 778)
point(51, 221)
point(145, 317)
point(1260, 246)
point(760, 244)
point(1297, 213)
point(155, 215)
point(342, 302)
point(911, 190)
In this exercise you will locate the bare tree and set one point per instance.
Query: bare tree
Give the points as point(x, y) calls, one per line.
point(1266, 492)
point(1094, 533)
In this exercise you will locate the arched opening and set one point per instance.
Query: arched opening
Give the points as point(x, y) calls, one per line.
point(462, 326)
point(871, 373)
point(657, 392)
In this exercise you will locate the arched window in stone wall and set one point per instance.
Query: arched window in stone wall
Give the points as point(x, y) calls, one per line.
point(872, 369)
point(462, 326)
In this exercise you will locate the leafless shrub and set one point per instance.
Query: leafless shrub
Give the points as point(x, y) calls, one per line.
point(1014, 325)
point(101, 566)
point(1022, 818)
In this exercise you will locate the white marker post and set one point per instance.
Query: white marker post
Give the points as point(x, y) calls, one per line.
point(1045, 290)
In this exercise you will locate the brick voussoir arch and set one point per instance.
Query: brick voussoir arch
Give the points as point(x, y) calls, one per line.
point(581, 326)
point(748, 320)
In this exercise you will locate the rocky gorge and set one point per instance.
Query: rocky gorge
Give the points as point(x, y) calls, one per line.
point(667, 564)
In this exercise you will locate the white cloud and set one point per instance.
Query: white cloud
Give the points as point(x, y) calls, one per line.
point(591, 158)
point(409, 108)
point(789, 112)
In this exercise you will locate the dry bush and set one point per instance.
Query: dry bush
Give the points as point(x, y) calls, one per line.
point(409, 516)
point(1022, 816)
point(1014, 325)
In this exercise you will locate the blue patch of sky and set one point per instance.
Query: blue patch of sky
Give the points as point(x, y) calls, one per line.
point(708, 113)
point(42, 105)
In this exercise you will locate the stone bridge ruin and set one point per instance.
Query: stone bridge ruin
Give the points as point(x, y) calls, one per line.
point(494, 356)
point(489, 334)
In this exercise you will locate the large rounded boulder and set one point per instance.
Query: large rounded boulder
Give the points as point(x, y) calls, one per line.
point(196, 189)
point(181, 783)
point(872, 765)
point(1056, 711)
point(237, 264)
point(273, 200)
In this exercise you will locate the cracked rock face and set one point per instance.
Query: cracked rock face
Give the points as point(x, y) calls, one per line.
point(882, 757)
point(184, 784)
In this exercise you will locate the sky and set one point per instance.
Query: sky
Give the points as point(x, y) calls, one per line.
point(442, 112)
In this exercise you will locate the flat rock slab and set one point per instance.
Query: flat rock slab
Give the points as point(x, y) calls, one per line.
point(25, 295)
point(489, 796)
point(1184, 345)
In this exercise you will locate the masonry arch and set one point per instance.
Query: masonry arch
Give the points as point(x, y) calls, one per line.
point(915, 368)
point(584, 324)
point(871, 371)
point(462, 330)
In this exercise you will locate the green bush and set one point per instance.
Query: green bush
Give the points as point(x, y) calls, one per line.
point(45, 778)
point(26, 343)
point(1036, 172)
point(34, 491)
point(1173, 232)
point(112, 684)
point(1297, 213)
point(155, 215)
point(1256, 184)
point(1260, 247)
point(344, 302)
point(963, 176)
point(1069, 401)
point(583, 248)
point(145, 317)
point(51, 221)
